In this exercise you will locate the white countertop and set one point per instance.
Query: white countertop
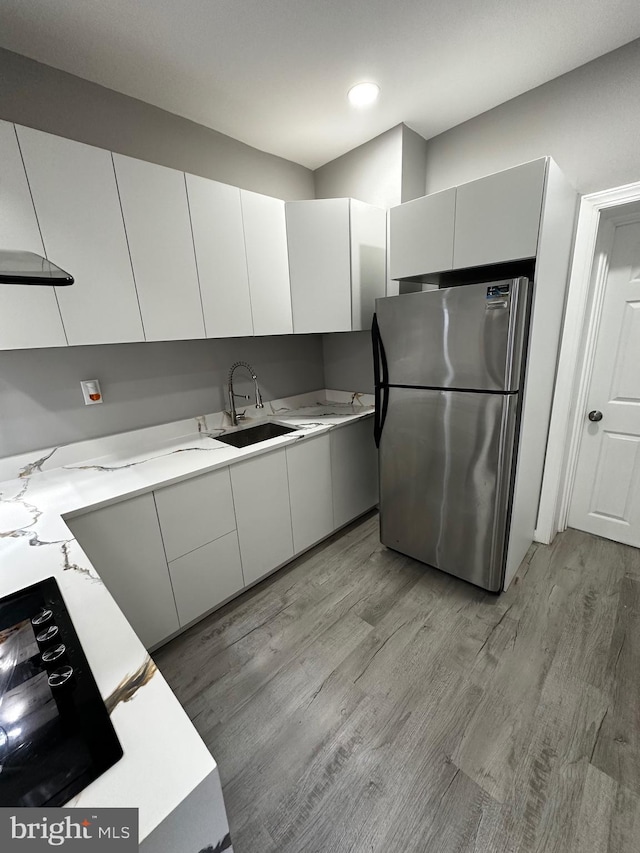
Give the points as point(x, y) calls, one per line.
point(164, 757)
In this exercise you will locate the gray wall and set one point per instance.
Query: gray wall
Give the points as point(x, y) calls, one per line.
point(142, 384)
point(39, 96)
point(372, 172)
point(588, 120)
point(348, 362)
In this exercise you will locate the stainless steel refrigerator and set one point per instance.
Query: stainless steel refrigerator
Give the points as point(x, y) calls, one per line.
point(449, 368)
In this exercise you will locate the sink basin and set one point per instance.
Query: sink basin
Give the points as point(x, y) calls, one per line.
point(254, 434)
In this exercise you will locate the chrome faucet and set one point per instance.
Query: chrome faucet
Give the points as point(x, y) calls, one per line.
point(235, 417)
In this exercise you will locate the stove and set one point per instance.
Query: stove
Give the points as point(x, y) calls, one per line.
point(55, 733)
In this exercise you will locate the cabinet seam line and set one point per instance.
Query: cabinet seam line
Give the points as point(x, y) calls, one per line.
point(246, 263)
point(153, 494)
point(195, 255)
point(286, 465)
point(126, 237)
point(233, 501)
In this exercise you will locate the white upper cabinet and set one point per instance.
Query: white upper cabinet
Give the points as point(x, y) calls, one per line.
point(76, 201)
point(498, 217)
point(156, 218)
point(421, 235)
point(337, 263)
point(218, 236)
point(320, 264)
point(29, 316)
point(265, 233)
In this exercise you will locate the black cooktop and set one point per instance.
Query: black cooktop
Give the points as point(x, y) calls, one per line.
point(55, 733)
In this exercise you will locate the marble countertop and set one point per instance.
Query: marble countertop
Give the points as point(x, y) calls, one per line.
point(164, 757)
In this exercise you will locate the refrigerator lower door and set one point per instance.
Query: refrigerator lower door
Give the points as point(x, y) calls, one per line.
point(446, 460)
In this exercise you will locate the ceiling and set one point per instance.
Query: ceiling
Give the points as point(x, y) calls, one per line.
point(274, 73)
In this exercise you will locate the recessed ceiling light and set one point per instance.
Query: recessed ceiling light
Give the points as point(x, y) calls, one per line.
point(363, 94)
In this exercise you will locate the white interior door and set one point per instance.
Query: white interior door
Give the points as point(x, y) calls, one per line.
point(606, 492)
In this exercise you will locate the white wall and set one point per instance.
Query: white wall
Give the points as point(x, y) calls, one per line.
point(143, 384)
point(588, 120)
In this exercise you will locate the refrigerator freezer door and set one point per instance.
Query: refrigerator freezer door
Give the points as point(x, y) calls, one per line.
point(466, 337)
point(446, 459)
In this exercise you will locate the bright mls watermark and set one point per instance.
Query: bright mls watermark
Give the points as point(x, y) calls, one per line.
point(69, 829)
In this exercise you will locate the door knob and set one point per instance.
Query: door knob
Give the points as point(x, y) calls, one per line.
point(595, 415)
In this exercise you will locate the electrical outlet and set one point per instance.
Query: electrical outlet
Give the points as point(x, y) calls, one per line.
point(91, 392)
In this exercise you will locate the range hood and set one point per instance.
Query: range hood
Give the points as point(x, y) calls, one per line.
point(29, 268)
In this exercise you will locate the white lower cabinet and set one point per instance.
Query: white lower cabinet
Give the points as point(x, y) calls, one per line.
point(261, 498)
point(354, 471)
point(172, 556)
point(124, 543)
point(309, 472)
point(206, 577)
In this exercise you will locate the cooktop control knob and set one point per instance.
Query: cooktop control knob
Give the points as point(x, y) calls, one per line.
point(59, 677)
point(42, 618)
point(48, 635)
point(54, 653)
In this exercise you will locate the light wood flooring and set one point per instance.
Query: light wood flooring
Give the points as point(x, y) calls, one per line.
point(361, 701)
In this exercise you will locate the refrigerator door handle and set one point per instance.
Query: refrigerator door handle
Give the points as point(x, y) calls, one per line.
point(381, 380)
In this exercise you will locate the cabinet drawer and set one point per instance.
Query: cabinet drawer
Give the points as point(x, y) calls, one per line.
point(206, 577)
point(195, 512)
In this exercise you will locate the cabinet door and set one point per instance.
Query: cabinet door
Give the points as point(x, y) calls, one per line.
point(354, 470)
point(498, 217)
point(265, 234)
point(124, 544)
point(309, 471)
point(320, 265)
point(195, 512)
point(368, 261)
point(421, 235)
point(76, 200)
point(218, 236)
point(156, 217)
point(261, 498)
point(206, 577)
point(29, 316)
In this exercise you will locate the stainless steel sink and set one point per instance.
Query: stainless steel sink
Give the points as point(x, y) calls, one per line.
point(254, 434)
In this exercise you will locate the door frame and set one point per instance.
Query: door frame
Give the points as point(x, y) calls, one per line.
point(583, 310)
